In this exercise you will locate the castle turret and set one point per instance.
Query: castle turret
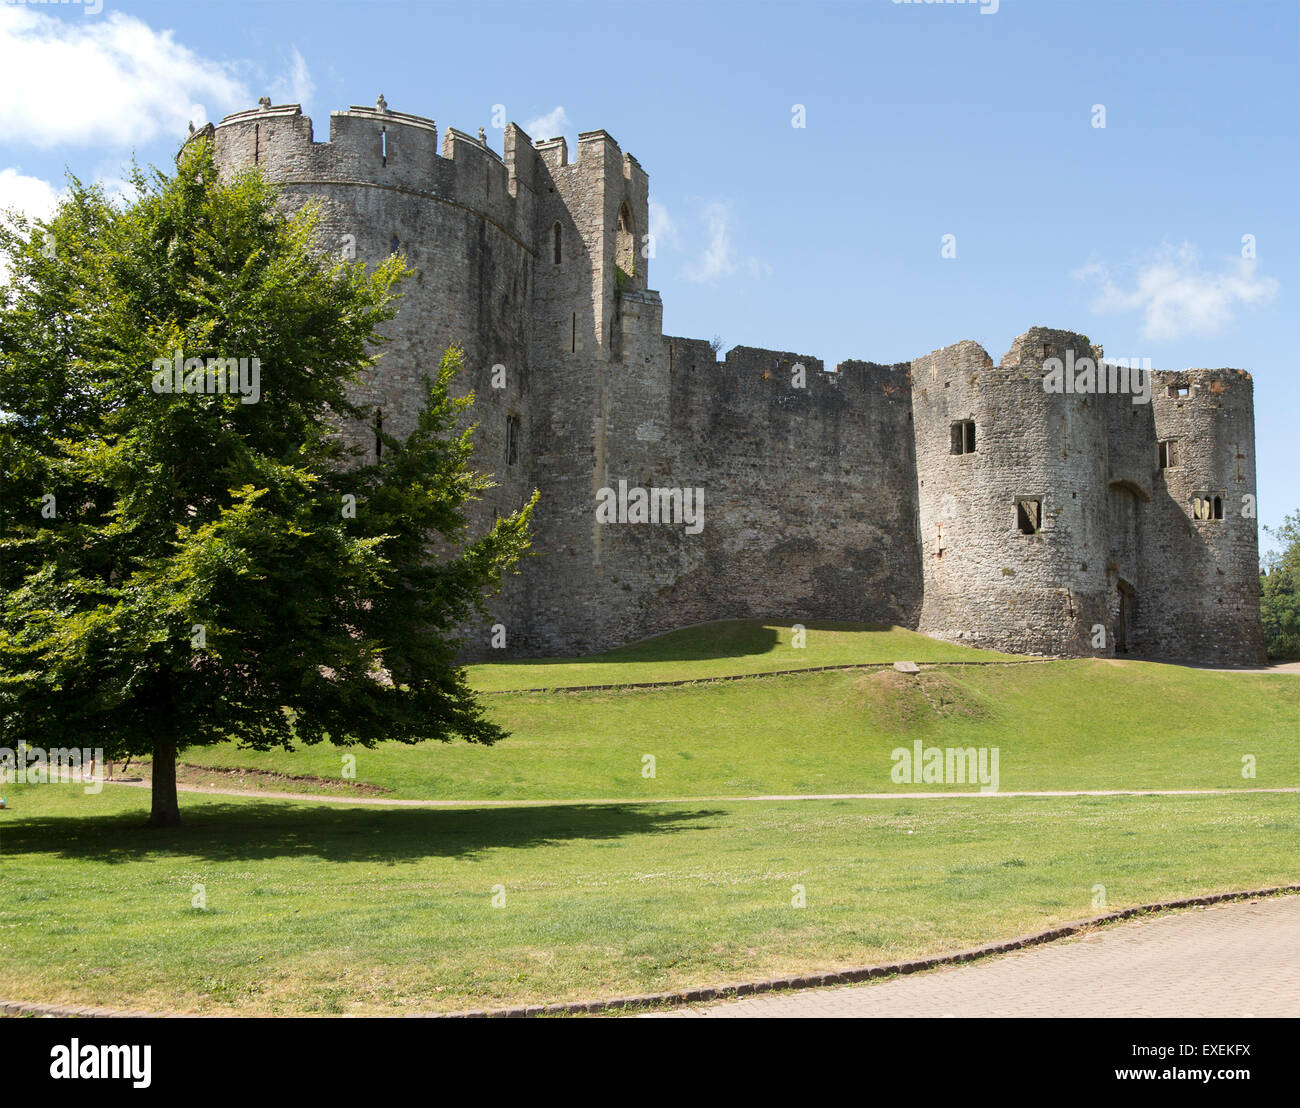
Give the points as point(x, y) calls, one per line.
point(1202, 553)
point(1012, 489)
point(463, 221)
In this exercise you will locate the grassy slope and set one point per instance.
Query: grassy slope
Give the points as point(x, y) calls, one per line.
point(329, 909)
point(728, 647)
point(1057, 725)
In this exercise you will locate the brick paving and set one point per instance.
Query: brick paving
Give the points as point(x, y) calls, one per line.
point(1232, 960)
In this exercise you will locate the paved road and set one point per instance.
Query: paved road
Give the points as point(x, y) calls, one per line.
point(1240, 959)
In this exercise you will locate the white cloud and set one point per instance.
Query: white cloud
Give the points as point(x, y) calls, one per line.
point(297, 87)
point(32, 196)
point(36, 198)
point(110, 81)
point(719, 258)
point(551, 125)
point(662, 226)
point(1177, 297)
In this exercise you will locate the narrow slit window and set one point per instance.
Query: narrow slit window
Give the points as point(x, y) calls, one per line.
point(379, 433)
point(512, 439)
point(257, 142)
point(963, 436)
point(383, 145)
point(573, 334)
point(1029, 516)
point(555, 231)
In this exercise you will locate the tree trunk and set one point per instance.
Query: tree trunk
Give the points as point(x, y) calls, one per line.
point(166, 811)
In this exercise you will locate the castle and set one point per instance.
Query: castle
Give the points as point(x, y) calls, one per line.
point(952, 495)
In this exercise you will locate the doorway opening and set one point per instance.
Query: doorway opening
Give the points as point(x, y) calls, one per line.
point(1123, 627)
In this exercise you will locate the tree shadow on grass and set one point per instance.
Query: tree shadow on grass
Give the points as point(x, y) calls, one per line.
point(252, 832)
point(737, 638)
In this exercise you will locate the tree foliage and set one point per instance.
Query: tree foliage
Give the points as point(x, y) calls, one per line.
point(184, 568)
point(1279, 603)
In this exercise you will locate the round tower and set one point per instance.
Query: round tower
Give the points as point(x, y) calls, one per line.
point(1203, 552)
point(462, 217)
point(1012, 495)
point(461, 222)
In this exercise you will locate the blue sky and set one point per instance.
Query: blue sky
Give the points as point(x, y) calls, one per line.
point(922, 120)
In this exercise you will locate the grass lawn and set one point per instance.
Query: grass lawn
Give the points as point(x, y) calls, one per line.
point(671, 880)
point(1057, 725)
point(725, 648)
point(327, 909)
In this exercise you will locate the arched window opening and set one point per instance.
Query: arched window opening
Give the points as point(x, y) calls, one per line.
point(625, 241)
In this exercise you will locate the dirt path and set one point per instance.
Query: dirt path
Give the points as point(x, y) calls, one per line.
point(390, 802)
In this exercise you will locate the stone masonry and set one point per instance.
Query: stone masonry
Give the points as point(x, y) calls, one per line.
point(950, 494)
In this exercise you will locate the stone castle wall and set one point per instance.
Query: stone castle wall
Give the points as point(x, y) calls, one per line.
point(827, 496)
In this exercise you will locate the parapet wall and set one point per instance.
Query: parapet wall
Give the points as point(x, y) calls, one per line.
point(809, 499)
point(815, 477)
point(379, 148)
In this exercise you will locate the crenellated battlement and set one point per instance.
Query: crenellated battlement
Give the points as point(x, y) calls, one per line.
point(381, 148)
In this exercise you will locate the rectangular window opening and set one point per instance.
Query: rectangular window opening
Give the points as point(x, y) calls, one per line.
point(1169, 454)
point(1029, 516)
point(963, 436)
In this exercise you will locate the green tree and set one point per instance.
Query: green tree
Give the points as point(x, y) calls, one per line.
point(185, 568)
point(1279, 604)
